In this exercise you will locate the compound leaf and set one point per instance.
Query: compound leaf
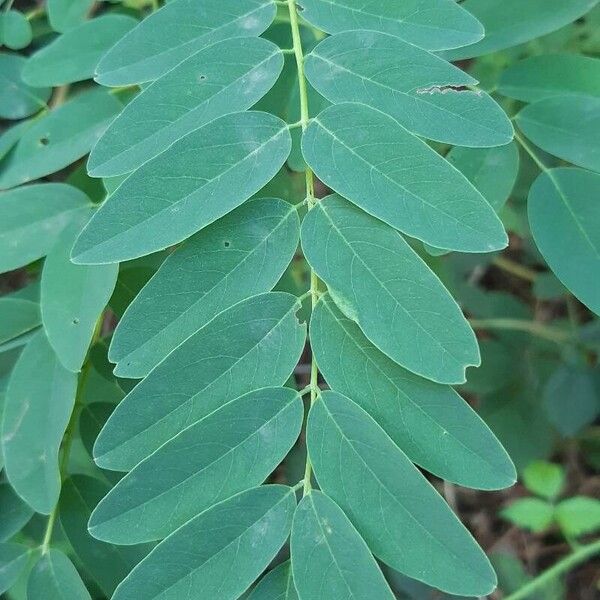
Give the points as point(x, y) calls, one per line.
point(197, 91)
point(390, 503)
point(198, 179)
point(566, 126)
point(176, 31)
point(218, 553)
point(421, 91)
point(73, 56)
point(374, 162)
point(323, 535)
point(54, 576)
point(242, 254)
point(255, 343)
point(230, 450)
point(430, 24)
point(430, 423)
point(73, 297)
point(382, 284)
point(59, 138)
point(565, 222)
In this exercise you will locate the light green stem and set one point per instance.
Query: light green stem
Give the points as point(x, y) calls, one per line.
point(582, 554)
point(539, 329)
point(310, 199)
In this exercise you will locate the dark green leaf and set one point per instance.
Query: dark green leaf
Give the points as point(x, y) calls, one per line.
point(73, 56)
point(242, 254)
point(73, 297)
point(565, 222)
point(329, 558)
point(381, 283)
point(54, 576)
point(422, 92)
point(18, 100)
point(197, 91)
point(431, 423)
point(108, 564)
point(59, 138)
point(256, 343)
point(391, 504)
point(431, 24)
point(36, 413)
point(373, 161)
point(217, 554)
point(175, 32)
point(198, 179)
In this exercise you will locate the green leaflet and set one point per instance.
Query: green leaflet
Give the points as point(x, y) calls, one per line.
point(242, 254)
point(565, 222)
point(36, 412)
point(13, 558)
point(15, 30)
point(10, 136)
point(329, 558)
point(373, 161)
point(540, 77)
point(66, 14)
point(255, 343)
point(54, 576)
point(381, 283)
point(198, 179)
point(566, 126)
point(197, 91)
point(59, 138)
point(513, 22)
point(572, 382)
point(430, 24)
point(416, 88)
point(14, 513)
point(73, 297)
point(73, 56)
point(217, 554)
point(493, 171)
point(431, 423)
point(179, 29)
point(277, 584)
point(107, 564)
point(530, 513)
point(230, 450)
point(17, 316)
point(32, 218)
point(401, 517)
point(18, 100)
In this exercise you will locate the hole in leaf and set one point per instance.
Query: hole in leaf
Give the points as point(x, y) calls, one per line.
point(44, 141)
point(75, 321)
point(201, 77)
point(226, 243)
